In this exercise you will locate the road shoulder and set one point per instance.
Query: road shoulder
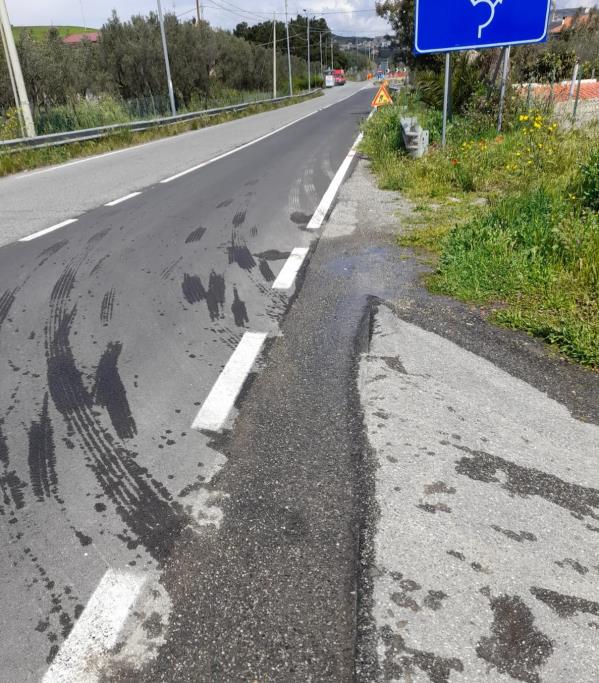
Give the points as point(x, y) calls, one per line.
point(481, 536)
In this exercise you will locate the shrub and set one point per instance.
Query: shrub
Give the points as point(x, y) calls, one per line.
point(589, 182)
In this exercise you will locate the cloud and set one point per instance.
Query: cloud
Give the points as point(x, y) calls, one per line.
point(223, 13)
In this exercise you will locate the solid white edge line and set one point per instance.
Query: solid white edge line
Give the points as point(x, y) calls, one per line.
point(220, 401)
point(329, 196)
point(45, 231)
point(96, 631)
point(114, 202)
point(251, 142)
point(288, 273)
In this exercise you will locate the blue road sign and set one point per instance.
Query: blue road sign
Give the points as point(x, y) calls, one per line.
point(446, 25)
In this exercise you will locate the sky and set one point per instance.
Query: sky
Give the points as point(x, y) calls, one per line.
point(352, 17)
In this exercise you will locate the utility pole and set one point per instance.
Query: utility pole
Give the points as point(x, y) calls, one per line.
point(16, 75)
point(332, 56)
point(274, 56)
point(199, 11)
point(309, 70)
point(288, 53)
point(169, 80)
point(320, 43)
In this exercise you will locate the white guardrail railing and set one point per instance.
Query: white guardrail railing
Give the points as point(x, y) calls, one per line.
point(83, 135)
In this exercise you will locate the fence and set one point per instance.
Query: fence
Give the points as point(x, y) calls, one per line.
point(573, 102)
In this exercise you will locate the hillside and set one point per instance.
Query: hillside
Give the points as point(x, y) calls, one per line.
point(39, 32)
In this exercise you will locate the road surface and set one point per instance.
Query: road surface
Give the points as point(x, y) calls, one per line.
point(113, 331)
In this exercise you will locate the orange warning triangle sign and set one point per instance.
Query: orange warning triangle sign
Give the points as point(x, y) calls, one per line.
point(382, 97)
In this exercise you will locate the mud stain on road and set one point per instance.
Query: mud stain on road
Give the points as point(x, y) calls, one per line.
point(515, 647)
point(239, 310)
point(265, 270)
point(299, 218)
point(400, 661)
point(565, 605)
point(274, 255)
point(194, 292)
point(193, 289)
point(110, 392)
point(215, 296)
point(241, 255)
point(523, 481)
point(513, 535)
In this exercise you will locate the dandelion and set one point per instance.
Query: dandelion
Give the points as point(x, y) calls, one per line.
point(537, 125)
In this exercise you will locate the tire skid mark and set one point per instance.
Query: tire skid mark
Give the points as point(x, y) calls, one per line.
point(6, 301)
point(166, 273)
point(99, 264)
point(110, 392)
point(42, 457)
point(239, 219)
point(196, 235)
point(107, 307)
point(11, 486)
point(144, 505)
point(50, 251)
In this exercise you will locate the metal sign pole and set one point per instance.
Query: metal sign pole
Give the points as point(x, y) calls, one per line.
point(446, 97)
point(506, 63)
point(577, 96)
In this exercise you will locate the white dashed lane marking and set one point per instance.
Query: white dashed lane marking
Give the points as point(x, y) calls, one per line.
point(45, 231)
point(220, 401)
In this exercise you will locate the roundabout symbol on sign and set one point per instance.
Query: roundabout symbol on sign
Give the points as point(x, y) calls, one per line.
point(492, 5)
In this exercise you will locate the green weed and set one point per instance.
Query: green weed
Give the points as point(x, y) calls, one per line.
point(513, 219)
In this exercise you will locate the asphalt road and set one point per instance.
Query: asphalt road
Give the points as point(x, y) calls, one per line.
point(112, 331)
point(34, 200)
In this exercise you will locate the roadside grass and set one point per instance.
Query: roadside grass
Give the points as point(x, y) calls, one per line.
point(512, 220)
point(29, 159)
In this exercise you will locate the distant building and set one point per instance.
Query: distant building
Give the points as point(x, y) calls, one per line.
point(78, 38)
point(563, 19)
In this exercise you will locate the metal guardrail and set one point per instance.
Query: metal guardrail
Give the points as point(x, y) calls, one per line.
point(54, 139)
